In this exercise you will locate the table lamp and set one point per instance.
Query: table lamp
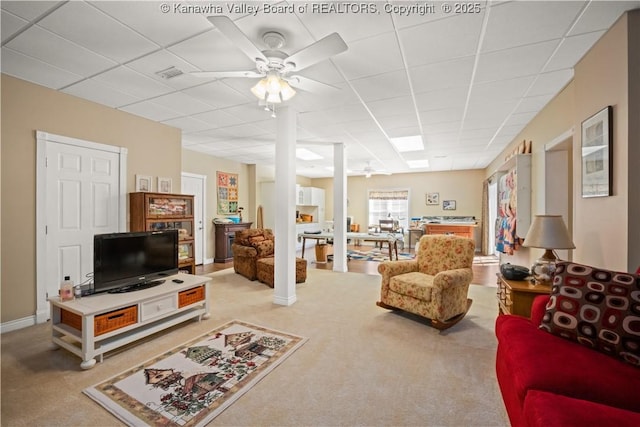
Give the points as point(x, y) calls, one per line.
point(547, 232)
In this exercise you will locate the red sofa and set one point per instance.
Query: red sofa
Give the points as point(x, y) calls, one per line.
point(546, 380)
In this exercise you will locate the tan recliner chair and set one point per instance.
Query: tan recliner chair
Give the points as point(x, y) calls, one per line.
point(435, 284)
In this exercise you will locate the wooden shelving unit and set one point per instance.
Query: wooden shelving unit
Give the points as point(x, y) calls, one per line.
point(162, 211)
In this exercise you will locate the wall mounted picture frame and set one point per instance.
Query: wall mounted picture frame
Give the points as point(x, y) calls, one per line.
point(227, 187)
point(143, 183)
point(164, 185)
point(449, 205)
point(432, 198)
point(597, 154)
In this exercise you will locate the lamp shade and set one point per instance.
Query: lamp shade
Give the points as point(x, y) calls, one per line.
point(548, 232)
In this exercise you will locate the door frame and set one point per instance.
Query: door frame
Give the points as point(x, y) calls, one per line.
point(42, 141)
point(203, 206)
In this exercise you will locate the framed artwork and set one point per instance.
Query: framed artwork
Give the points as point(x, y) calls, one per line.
point(597, 154)
point(164, 185)
point(143, 183)
point(432, 198)
point(449, 205)
point(227, 185)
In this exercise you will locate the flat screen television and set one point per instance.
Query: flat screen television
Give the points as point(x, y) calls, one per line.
point(134, 260)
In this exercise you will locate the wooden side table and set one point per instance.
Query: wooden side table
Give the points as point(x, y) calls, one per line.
point(516, 296)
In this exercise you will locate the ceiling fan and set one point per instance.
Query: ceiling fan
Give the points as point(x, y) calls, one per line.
point(369, 171)
point(274, 67)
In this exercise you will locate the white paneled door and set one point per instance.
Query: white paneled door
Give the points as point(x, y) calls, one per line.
point(196, 185)
point(83, 197)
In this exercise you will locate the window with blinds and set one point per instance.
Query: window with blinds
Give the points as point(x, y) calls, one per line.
point(389, 203)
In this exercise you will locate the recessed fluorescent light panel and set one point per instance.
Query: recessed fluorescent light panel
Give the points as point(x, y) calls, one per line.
point(408, 143)
point(304, 154)
point(424, 163)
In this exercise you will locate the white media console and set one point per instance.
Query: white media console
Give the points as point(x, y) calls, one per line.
point(93, 325)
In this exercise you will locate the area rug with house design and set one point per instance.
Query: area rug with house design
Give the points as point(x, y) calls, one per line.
point(193, 383)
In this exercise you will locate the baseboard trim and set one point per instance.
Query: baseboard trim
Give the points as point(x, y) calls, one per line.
point(14, 325)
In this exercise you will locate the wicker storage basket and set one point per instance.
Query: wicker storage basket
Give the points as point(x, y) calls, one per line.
point(117, 319)
point(190, 296)
point(71, 319)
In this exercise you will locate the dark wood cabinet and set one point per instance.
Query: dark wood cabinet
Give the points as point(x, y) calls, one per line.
point(162, 211)
point(225, 234)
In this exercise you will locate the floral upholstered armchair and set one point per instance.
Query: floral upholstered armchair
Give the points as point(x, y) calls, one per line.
point(248, 247)
point(435, 284)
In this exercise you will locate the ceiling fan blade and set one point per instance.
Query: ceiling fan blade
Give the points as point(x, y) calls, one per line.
point(231, 31)
point(317, 52)
point(309, 85)
point(223, 74)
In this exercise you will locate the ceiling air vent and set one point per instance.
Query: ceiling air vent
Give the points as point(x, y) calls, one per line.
point(169, 73)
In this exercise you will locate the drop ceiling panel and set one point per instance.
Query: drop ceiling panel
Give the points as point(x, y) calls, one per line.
point(515, 62)
point(101, 93)
point(136, 84)
point(383, 86)
point(549, 83)
point(453, 37)
point(183, 103)
point(218, 94)
point(442, 99)
point(151, 111)
point(571, 50)
point(30, 10)
point(364, 58)
point(392, 107)
point(61, 53)
point(211, 51)
point(514, 24)
point(532, 104)
point(442, 75)
point(146, 18)
point(161, 60)
point(187, 124)
point(500, 90)
point(445, 115)
point(350, 26)
point(10, 24)
point(600, 15)
point(87, 26)
point(26, 68)
point(217, 118)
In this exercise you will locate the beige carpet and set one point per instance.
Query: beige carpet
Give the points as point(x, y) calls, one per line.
point(362, 365)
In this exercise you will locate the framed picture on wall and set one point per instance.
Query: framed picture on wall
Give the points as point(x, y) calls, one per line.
point(449, 205)
point(432, 198)
point(164, 185)
point(597, 154)
point(143, 183)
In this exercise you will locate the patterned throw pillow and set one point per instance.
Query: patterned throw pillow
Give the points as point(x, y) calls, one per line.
point(596, 308)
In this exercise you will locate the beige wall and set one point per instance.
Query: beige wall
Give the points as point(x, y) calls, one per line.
point(26, 108)
point(465, 187)
point(203, 164)
point(601, 79)
point(605, 229)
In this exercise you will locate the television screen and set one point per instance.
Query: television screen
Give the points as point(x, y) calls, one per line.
point(128, 260)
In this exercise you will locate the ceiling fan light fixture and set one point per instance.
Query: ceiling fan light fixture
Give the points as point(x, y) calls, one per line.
point(273, 83)
point(286, 91)
point(260, 89)
point(273, 98)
